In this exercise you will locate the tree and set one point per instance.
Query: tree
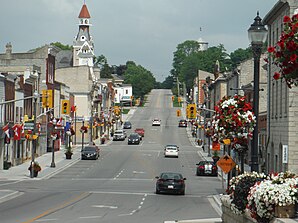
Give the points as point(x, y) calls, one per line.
point(184, 50)
point(142, 80)
point(62, 46)
point(203, 60)
point(240, 55)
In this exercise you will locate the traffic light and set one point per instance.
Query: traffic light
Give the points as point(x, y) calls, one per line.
point(44, 98)
point(65, 107)
point(173, 97)
point(47, 98)
point(178, 112)
point(50, 98)
point(192, 111)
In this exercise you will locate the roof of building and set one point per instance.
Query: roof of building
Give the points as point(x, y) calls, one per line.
point(84, 12)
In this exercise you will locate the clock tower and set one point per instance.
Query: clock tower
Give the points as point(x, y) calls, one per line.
point(83, 47)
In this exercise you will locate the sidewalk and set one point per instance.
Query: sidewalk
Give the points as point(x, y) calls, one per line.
point(21, 172)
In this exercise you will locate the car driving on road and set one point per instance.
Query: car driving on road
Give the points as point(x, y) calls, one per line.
point(156, 122)
point(127, 125)
point(140, 131)
point(182, 123)
point(207, 168)
point(134, 138)
point(90, 152)
point(119, 135)
point(171, 151)
point(169, 182)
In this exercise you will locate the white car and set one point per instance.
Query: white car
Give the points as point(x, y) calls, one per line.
point(156, 122)
point(171, 151)
point(119, 135)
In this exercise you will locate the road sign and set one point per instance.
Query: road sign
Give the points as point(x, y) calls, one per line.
point(29, 126)
point(226, 163)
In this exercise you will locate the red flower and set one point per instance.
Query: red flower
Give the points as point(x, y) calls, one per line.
point(271, 49)
point(293, 57)
point(287, 19)
point(276, 76)
point(284, 53)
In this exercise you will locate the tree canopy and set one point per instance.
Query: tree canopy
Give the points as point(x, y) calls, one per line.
point(142, 80)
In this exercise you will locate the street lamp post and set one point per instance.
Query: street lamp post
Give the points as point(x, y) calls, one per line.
point(34, 133)
point(54, 122)
point(257, 34)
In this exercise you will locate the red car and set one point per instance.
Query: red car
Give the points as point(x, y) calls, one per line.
point(140, 131)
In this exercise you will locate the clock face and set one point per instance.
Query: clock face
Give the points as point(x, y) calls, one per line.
point(86, 21)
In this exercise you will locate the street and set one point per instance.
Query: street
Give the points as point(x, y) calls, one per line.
point(120, 185)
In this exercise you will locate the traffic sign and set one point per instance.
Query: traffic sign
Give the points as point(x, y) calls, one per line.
point(226, 163)
point(29, 126)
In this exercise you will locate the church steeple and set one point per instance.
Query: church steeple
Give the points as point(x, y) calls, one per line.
point(83, 48)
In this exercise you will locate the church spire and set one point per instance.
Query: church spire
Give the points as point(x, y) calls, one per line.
point(83, 48)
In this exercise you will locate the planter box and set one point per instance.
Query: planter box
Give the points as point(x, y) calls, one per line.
point(285, 211)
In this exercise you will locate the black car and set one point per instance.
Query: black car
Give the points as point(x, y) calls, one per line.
point(169, 182)
point(205, 168)
point(182, 123)
point(134, 138)
point(90, 152)
point(127, 125)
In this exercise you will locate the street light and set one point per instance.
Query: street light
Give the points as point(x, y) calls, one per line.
point(54, 136)
point(36, 95)
point(257, 34)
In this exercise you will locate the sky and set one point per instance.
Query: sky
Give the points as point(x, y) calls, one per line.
point(144, 31)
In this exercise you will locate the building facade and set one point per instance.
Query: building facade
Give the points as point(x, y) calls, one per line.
point(282, 120)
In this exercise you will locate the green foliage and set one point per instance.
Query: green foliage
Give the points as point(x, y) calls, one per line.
point(105, 69)
point(62, 46)
point(183, 51)
point(240, 55)
point(203, 60)
point(142, 80)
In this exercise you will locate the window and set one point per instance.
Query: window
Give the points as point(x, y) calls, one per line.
point(126, 91)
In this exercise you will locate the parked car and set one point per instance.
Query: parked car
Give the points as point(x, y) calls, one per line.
point(134, 138)
point(182, 123)
point(169, 182)
point(90, 152)
point(207, 168)
point(171, 151)
point(156, 122)
point(119, 134)
point(127, 125)
point(140, 131)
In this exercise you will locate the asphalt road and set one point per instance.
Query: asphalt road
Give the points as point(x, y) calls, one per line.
point(120, 186)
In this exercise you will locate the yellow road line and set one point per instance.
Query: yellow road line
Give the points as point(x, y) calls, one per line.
point(80, 197)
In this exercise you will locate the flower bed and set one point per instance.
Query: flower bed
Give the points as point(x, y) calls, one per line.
point(262, 195)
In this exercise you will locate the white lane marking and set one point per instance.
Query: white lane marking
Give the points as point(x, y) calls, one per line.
point(135, 172)
point(52, 219)
point(90, 217)
point(118, 174)
point(104, 206)
point(146, 154)
point(125, 214)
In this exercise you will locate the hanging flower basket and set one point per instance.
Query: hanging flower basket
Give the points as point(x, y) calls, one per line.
point(233, 121)
point(284, 53)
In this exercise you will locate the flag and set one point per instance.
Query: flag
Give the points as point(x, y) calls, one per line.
point(17, 132)
point(6, 130)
